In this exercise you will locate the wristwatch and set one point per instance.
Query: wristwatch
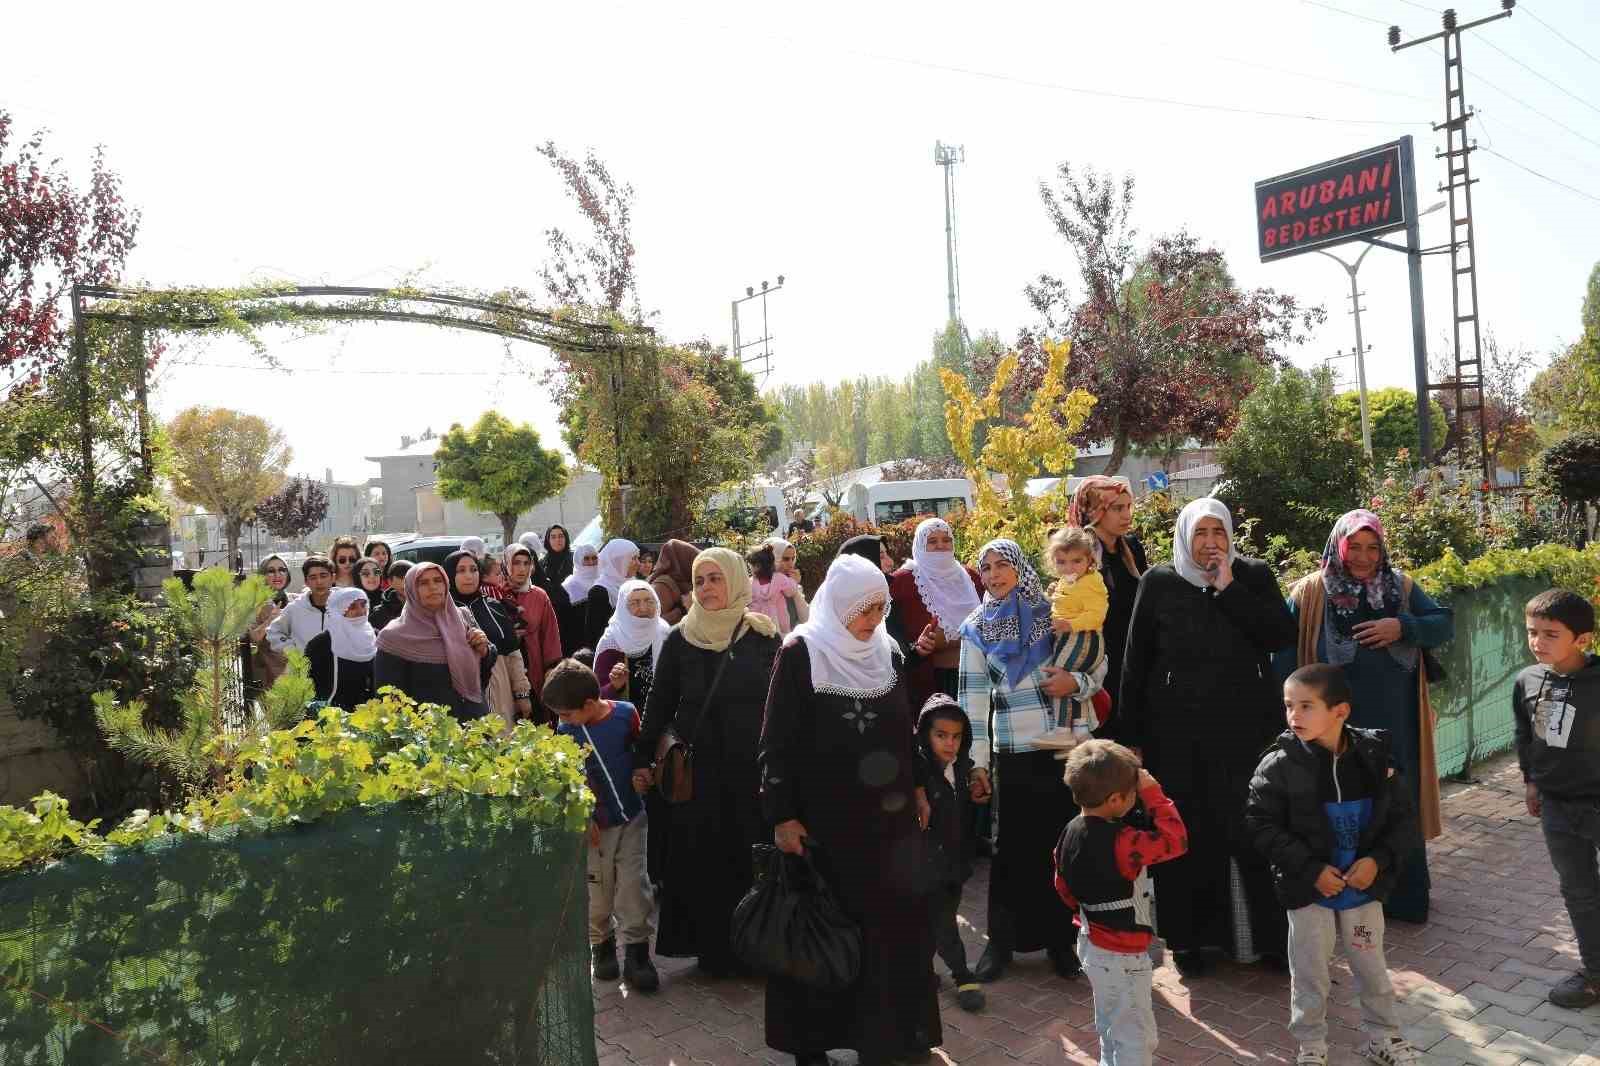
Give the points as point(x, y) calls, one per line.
point(522, 695)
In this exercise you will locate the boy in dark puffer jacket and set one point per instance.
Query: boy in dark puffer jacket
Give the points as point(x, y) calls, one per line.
point(1332, 816)
point(944, 744)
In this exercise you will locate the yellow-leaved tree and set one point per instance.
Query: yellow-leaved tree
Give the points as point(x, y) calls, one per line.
point(1041, 444)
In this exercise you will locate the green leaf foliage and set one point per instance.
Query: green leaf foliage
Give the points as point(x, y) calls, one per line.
point(1290, 449)
point(498, 467)
point(388, 750)
point(1393, 414)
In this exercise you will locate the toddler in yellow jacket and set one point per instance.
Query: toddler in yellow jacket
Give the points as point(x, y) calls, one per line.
point(1078, 605)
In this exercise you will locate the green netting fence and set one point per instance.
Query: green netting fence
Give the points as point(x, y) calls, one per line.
point(1473, 703)
point(446, 931)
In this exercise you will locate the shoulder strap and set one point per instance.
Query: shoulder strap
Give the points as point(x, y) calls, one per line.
point(716, 679)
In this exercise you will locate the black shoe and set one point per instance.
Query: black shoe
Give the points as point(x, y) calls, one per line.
point(638, 970)
point(993, 963)
point(605, 961)
point(1191, 963)
point(1576, 992)
point(1065, 960)
point(969, 995)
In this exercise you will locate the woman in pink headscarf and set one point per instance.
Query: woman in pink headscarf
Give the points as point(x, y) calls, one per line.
point(1361, 614)
point(434, 652)
point(1104, 506)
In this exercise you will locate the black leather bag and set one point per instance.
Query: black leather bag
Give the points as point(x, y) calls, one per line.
point(789, 924)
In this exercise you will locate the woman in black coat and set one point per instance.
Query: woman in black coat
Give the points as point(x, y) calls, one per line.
point(1200, 701)
point(1104, 506)
point(706, 869)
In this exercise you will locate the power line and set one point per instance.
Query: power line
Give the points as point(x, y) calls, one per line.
point(990, 75)
point(1541, 77)
point(1343, 11)
point(1593, 58)
point(1545, 177)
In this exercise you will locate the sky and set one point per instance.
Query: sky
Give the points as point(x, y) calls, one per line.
point(364, 144)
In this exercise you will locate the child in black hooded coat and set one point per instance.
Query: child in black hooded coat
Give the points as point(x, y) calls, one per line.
point(944, 743)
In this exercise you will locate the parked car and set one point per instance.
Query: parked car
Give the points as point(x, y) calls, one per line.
point(428, 549)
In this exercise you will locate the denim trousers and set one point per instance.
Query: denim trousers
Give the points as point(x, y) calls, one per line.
point(1123, 1015)
point(1572, 833)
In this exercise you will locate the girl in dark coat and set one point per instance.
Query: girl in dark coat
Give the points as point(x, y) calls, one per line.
point(1201, 702)
point(433, 652)
point(840, 780)
point(341, 656)
point(707, 865)
point(557, 561)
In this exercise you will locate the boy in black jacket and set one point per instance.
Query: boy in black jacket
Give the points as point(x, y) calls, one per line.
point(1557, 709)
point(944, 743)
point(1333, 818)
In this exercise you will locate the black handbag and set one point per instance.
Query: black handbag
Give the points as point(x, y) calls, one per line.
point(789, 924)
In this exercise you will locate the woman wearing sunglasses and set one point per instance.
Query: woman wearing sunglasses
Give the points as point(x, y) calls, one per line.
point(265, 663)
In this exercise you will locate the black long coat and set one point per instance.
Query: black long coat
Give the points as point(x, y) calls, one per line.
point(845, 768)
point(1200, 700)
point(707, 868)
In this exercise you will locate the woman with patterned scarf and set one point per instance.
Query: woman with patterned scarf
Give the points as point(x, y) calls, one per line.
point(1006, 686)
point(1360, 613)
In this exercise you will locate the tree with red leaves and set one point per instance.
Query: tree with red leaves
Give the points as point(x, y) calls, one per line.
point(52, 235)
point(1164, 339)
point(294, 510)
point(1508, 423)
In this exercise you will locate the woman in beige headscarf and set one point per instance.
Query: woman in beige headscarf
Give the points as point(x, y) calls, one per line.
point(710, 688)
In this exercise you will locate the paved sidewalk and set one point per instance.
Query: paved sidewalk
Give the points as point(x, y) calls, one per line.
point(1472, 981)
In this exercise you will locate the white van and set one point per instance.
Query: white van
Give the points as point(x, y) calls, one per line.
point(889, 502)
point(754, 508)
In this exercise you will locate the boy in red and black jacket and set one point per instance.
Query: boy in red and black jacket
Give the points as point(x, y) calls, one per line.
point(1102, 873)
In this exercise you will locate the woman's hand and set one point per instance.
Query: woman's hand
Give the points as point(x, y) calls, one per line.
point(930, 640)
point(1058, 683)
point(594, 835)
point(1061, 626)
point(643, 779)
point(524, 707)
point(1530, 796)
point(1379, 633)
point(924, 809)
point(1222, 577)
point(479, 640)
point(687, 600)
point(618, 677)
point(978, 783)
point(790, 837)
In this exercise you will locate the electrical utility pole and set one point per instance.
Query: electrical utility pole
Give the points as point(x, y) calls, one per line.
point(1360, 349)
point(1466, 328)
point(947, 156)
point(765, 340)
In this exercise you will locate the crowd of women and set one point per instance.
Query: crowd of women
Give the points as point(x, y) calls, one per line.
point(801, 717)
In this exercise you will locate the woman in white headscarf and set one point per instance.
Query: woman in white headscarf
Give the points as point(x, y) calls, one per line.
point(341, 655)
point(573, 600)
point(625, 657)
point(615, 564)
point(932, 594)
point(840, 780)
point(1201, 702)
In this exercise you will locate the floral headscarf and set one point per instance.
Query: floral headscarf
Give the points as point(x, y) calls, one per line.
point(1095, 493)
point(1015, 630)
point(1343, 592)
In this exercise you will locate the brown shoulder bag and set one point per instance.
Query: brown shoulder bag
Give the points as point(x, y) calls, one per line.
point(674, 755)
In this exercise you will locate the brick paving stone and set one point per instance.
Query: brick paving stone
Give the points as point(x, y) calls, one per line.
point(1471, 983)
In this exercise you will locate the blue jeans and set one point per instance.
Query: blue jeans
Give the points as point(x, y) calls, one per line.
point(1572, 833)
point(1123, 1016)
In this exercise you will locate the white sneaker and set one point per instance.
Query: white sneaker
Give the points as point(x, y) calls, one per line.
point(1391, 1051)
point(1311, 1057)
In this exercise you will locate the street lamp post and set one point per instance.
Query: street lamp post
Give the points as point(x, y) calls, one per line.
point(1361, 352)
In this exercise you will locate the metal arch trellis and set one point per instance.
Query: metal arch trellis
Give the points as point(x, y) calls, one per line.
point(199, 310)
